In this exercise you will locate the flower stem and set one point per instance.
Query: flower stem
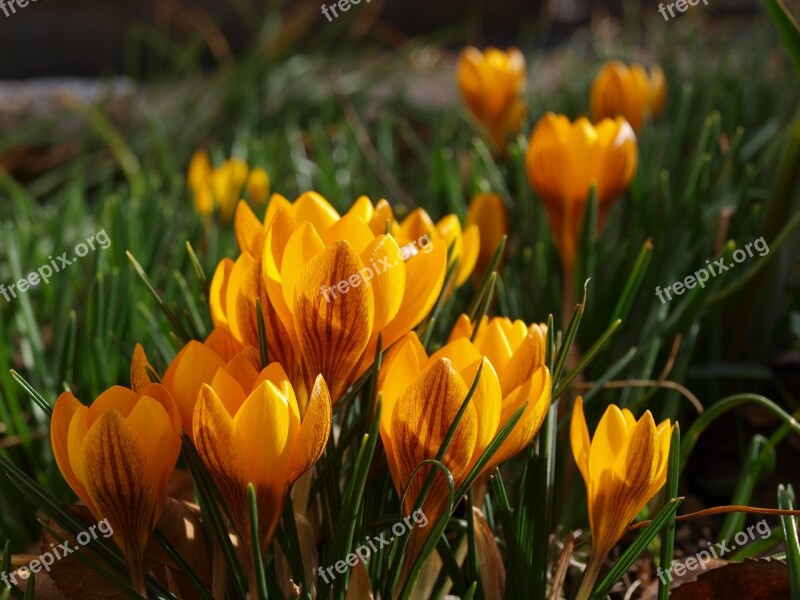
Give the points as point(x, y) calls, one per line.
point(136, 570)
point(590, 576)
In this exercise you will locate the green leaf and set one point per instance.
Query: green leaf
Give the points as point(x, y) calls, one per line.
point(787, 28)
point(786, 501)
point(671, 488)
point(260, 584)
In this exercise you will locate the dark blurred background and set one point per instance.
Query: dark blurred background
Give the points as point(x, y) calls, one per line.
point(91, 37)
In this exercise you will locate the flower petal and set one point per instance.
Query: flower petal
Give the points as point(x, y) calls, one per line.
point(140, 378)
point(579, 439)
point(425, 273)
point(249, 231)
point(536, 392)
point(194, 365)
point(120, 481)
point(66, 406)
point(422, 416)
point(221, 450)
point(332, 335)
point(314, 431)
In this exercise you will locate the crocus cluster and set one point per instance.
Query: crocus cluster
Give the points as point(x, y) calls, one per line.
point(256, 398)
point(219, 188)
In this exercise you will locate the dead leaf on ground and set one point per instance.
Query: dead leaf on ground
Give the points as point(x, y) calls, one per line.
point(763, 579)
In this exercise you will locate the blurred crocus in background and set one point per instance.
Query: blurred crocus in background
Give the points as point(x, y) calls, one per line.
point(220, 188)
point(492, 84)
point(623, 466)
point(118, 456)
point(630, 92)
point(488, 213)
point(564, 160)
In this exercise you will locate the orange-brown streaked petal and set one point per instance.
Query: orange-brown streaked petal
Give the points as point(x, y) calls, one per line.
point(536, 392)
point(469, 78)
point(152, 423)
point(120, 481)
point(314, 431)
point(402, 364)
point(636, 465)
point(64, 410)
point(222, 453)
point(546, 160)
point(579, 439)
point(251, 289)
point(425, 273)
point(422, 417)
point(140, 378)
point(238, 276)
point(661, 459)
point(333, 333)
point(249, 231)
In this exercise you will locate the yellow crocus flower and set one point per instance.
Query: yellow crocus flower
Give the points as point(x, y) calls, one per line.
point(630, 92)
point(564, 159)
point(227, 183)
point(329, 286)
point(261, 438)
point(258, 185)
point(421, 396)
point(517, 352)
point(118, 456)
point(492, 84)
point(488, 213)
point(623, 466)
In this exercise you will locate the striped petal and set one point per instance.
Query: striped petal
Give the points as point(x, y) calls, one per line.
point(332, 334)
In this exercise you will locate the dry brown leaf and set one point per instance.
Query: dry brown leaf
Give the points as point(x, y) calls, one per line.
point(181, 524)
point(763, 579)
point(45, 588)
point(308, 549)
point(493, 571)
point(359, 587)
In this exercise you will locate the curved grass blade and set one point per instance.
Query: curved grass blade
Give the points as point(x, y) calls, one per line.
point(721, 407)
